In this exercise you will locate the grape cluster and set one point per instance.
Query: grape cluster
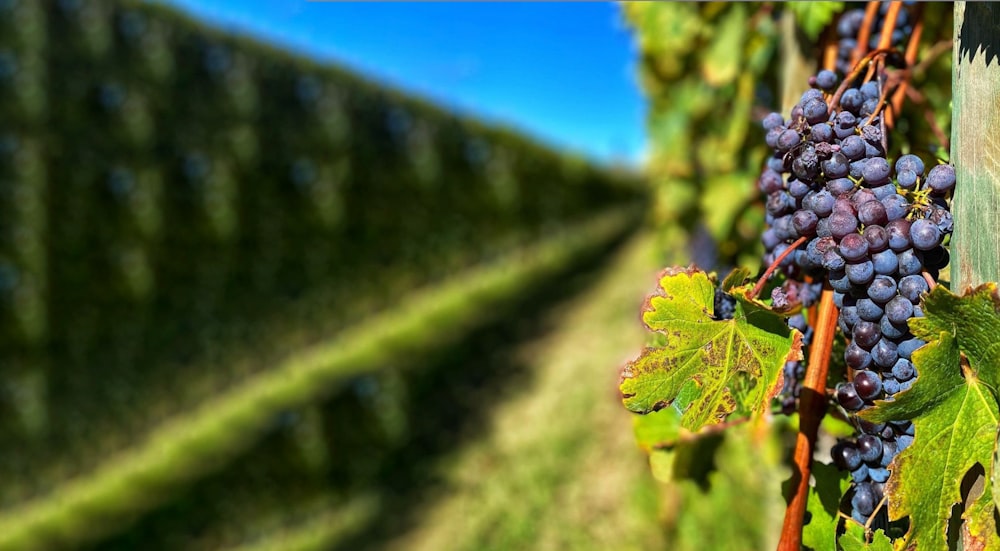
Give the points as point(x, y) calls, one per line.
point(850, 23)
point(874, 231)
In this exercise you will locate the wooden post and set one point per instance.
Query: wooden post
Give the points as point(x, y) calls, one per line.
point(975, 150)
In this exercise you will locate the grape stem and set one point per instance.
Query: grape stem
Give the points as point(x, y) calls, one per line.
point(860, 66)
point(931, 284)
point(864, 33)
point(774, 266)
point(812, 406)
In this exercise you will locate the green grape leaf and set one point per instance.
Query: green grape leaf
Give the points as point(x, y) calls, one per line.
point(706, 368)
point(823, 505)
point(721, 62)
point(955, 415)
point(812, 17)
point(854, 539)
point(659, 429)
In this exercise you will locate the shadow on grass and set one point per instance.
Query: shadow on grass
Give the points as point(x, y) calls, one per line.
point(381, 435)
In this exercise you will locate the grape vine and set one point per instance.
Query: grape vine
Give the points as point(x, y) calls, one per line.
point(856, 238)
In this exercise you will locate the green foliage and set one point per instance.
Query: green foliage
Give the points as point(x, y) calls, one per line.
point(813, 17)
point(954, 410)
point(823, 506)
point(854, 539)
point(705, 368)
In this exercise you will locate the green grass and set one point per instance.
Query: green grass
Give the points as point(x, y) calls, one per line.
point(204, 439)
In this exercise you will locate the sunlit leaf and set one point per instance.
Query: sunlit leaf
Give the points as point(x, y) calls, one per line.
point(955, 415)
point(812, 17)
point(706, 368)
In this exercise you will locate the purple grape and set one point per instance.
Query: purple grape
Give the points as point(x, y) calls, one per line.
point(853, 147)
point(899, 309)
point(772, 121)
point(941, 179)
point(885, 263)
point(861, 272)
point(882, 289)
point(870, 447)
point(869, 310)
point(842, 223)
point(877, 237)
point(924, 234)
point(876, 171)
point(866, 334)
point(903, 370)
point(912, 286)
point(787, 140)
point(848, 397)
point(872, 213)
point(899, 234)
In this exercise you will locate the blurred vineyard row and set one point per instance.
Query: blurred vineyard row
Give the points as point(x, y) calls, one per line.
point(182, 210)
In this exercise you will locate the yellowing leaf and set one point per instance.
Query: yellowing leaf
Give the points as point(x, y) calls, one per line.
point(706, 368)
point(955, 415)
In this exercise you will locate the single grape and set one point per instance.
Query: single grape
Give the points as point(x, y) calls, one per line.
point(941, 179)
point(832, 261)
point(885, 262)
point(857, 357)
point(864, 499)
point(787, 140)
point(870, 90)
point(872, 213)
point(903, 370)
point(904, 441)
point(851, 100)
point(896, 206)
point(899, 309)
point(867, 384)
point(884, 353)
point(925, 235)
point(820, 133)
point(866, 334)
point(891, 330)
point(815, 110)
point(837, 166)
point(877, 237)
point(876, 171)
point(907, 179)
point(853, 147)
point(853, 247)
point(910, 262)
point(912, 286)
point(772, 121)
point(848, 397)
point(910, 162)
point(822, 203)
point(845, 456)
point(826, 79)
point(797, 188)
point(882, 289)
point(839, 186)
point(870, 448)
point(842, 223)
point(899, 234)
point(770, 181)
point(860, 273)
point(907, 347)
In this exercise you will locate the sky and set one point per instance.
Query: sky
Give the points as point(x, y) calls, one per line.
point(563, 73)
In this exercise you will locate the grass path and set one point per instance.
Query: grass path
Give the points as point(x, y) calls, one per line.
point(557, 467)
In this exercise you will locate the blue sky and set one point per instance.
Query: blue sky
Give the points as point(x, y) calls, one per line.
point(563, 73)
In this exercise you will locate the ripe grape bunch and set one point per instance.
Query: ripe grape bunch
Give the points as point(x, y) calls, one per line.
point(839, 212)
